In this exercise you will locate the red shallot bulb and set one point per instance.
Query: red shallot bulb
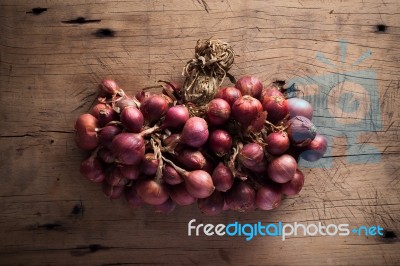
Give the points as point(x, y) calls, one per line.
point(316, 149)
point(166, 207)
point(277, 143)
point(229, 94)
point(250, 155)
point(282, 169)
point(128, 148)
point(113, 192)
point(152, 192)
point(108, 87)
point(241, 197)
point(176, 117)
point(132, 119)
point(276, 106)
point(195, 132)
point(222, 178)
point(301, 131)
point(149, 164)
point(104, 113)
point(300, 107)
point(115, 178)
point(92, 169)
point(268, 198)
point(130, 172)
point(249, 85)
point(218, 112)
point(107, 134)
point(153, 108)
point(180, 195)
point(220, 142)
point(171, 176)
point(294, 186)
point(212, 205)
point(246, 109)
point(86, 127)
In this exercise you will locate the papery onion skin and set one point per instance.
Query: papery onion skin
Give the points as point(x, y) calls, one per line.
point(268, 198)
point(176, 117)
point(132, 119)
point(128, 148)
point(294, 186)
point(300, 107)
point(108, 87)
point(195, 132)
point(171, 176)
point(229, 94)
point(251, 154)
point(180, 195)
point(276, 106)
point(222, 177)
point(246, 109)
point(152, 192)
point(85, 132)
point(191, 159)
point(220, 142)
point(212, 205)
point(277, 143)
point(125, 102)
point(271, 91)
point(249, 85)
point(241, 197)
point(153, 108)
point(130, 172)
point(301, 131)
point(218, 112)
point(282, 169)
point(104, 113)
point(316, 149)
point(199, 184)
point(149, 164)
point(92, 169)
point(115, 178)
point(107, 134)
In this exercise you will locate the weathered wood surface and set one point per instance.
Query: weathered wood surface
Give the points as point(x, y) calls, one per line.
point(49, 72)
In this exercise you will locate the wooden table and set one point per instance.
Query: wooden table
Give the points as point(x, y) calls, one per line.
point(52, 57)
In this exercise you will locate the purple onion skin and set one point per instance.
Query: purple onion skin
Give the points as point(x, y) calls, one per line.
point(132, 119)
point(301, 131)
point(316, 149)
point(294, 186)
point(171, 176)
point(149, 164)
point(128, 148)
point(300, 107)
point(92, 169)
point(213, 205)
point(153, 108)
point(246, 109)
point(250, 155)
point(241, 197)
point(152, 192)
point(180, 195)
point(195, 132)
point(277, 143)
point(220, 142)
point(268, 198)
point(85, 132)
point(108, 87)
point(249, 85)
point(125, 103)
point(229, 94)
point(106, 155)
point(115, 178)
point(222, 178)
point(276, 106)
point(191, 159)
point(107, 134)
point(176, 117)
point(282, 168)
point(199, 184)
point(130, 172)
point(104, 113)
point(271, 91)
point(218, 112)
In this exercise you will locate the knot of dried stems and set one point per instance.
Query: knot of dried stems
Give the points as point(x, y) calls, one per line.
point(207, 70)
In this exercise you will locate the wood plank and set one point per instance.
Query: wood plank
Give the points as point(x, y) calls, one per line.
point(49, 71)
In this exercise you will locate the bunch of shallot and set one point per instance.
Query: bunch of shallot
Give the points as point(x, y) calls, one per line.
point(238, 151)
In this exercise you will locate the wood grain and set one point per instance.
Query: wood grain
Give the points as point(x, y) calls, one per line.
point(51, 61)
